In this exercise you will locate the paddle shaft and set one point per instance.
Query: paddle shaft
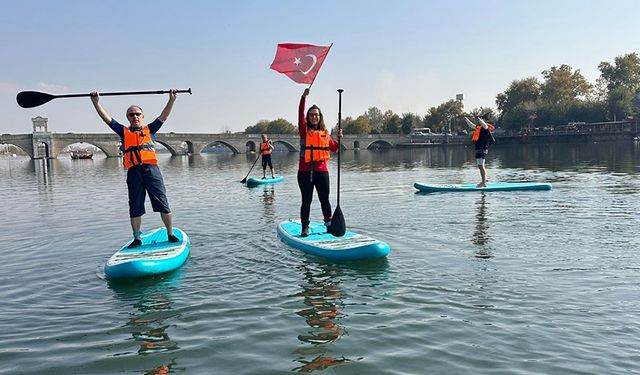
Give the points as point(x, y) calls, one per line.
point(123, 93)
point(250, 169)
point(339, 139)
point(32, 99)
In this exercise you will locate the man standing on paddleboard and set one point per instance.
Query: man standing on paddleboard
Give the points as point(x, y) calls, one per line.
point(483, 138)
point(266, 146)
point(140, 160)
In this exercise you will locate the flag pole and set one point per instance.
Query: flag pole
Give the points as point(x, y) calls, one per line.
point(314, 78)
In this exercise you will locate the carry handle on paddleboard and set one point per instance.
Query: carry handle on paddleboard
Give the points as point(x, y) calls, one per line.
point(31, 99)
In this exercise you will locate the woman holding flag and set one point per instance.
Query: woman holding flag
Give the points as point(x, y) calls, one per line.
point(301, 63)
point(315, 146)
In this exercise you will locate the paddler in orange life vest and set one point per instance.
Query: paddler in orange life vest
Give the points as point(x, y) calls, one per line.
point(266, 146)
point(483, 139)
point(139, 157)
point(315, 147)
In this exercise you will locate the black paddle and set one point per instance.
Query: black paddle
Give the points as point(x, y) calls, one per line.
point(338, 228)
point(254, 164)
point(30, 99)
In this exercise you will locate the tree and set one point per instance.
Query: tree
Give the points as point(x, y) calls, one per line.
point(409, 121)
point(281, 126)
point(357, 126)
point(259, 128)
point(375, 119)
point(439, 118)
point(625, 72)
point(620, 103)
point(519, 92)
point(392, 123)
point(561, 85)
point(517, 118)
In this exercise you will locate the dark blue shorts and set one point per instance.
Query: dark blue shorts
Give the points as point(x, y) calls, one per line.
point(143, 179)
point(266, 160)
point(481, 153)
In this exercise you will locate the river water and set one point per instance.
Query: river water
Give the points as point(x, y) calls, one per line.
point(541, 282)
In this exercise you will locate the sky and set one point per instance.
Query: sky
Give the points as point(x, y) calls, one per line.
point(401, 55)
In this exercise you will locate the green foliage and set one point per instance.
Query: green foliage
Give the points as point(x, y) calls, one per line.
point(392, 124)
point(517, 118)
point(625, 72)
point(561, 85)
point(519, 92)
point(408, 122)
point(357, 126)
point(375, 119)
point(279, 126)
point(438, 118)
point(619, 103)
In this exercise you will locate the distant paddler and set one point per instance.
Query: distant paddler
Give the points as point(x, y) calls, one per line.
point(266, 147)
point(483, 139)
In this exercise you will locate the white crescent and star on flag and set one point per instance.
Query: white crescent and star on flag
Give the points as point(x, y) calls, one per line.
point(298, 60)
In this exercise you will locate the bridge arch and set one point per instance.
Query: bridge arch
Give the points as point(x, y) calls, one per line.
point(251, 146)
point(356, 145)
point(64, 144)
point(289, 146)
point(43, 150)
point(168, 146)
point(225, 144)
point(379, 143)
point(188, 147)
point(6, 146)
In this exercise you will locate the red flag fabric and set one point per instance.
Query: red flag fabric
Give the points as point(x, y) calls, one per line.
point(300, 62)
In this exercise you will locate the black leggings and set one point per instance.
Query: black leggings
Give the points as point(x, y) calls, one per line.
point(321, 182)
point(266, 160)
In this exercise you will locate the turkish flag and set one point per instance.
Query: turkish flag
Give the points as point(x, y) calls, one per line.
point(300, 62)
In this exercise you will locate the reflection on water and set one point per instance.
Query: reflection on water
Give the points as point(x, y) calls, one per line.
point(268, 200)
point(323, 299)
point(148, 322)
point(481, 236)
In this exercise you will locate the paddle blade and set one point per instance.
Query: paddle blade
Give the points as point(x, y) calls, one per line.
point(337, 228)
point(30, 99)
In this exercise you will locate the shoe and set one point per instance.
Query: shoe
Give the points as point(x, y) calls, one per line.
point(136, 243)
point(173, 238)
point(327, 223)
point(305, 231)
point(481, 185)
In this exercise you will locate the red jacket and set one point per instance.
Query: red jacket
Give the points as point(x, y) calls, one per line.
point(302, 129)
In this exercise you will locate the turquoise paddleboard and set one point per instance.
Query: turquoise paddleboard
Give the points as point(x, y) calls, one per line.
point(268, 180)
point(498, 186)
point(156, 255)
point(351, 246)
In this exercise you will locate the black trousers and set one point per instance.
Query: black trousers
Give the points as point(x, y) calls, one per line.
point(321, 183)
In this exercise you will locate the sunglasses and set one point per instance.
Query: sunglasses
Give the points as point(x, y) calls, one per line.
point(134, 114)
point(314, 114)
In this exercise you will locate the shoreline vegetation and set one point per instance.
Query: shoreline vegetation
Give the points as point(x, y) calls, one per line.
point(561, 97)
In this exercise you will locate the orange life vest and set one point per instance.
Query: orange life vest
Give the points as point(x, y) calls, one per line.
point(476, 133)
point(138, 148)
point(316, 146)
point(265, 148)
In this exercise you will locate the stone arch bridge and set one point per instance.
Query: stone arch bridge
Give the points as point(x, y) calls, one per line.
point(48, 145)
